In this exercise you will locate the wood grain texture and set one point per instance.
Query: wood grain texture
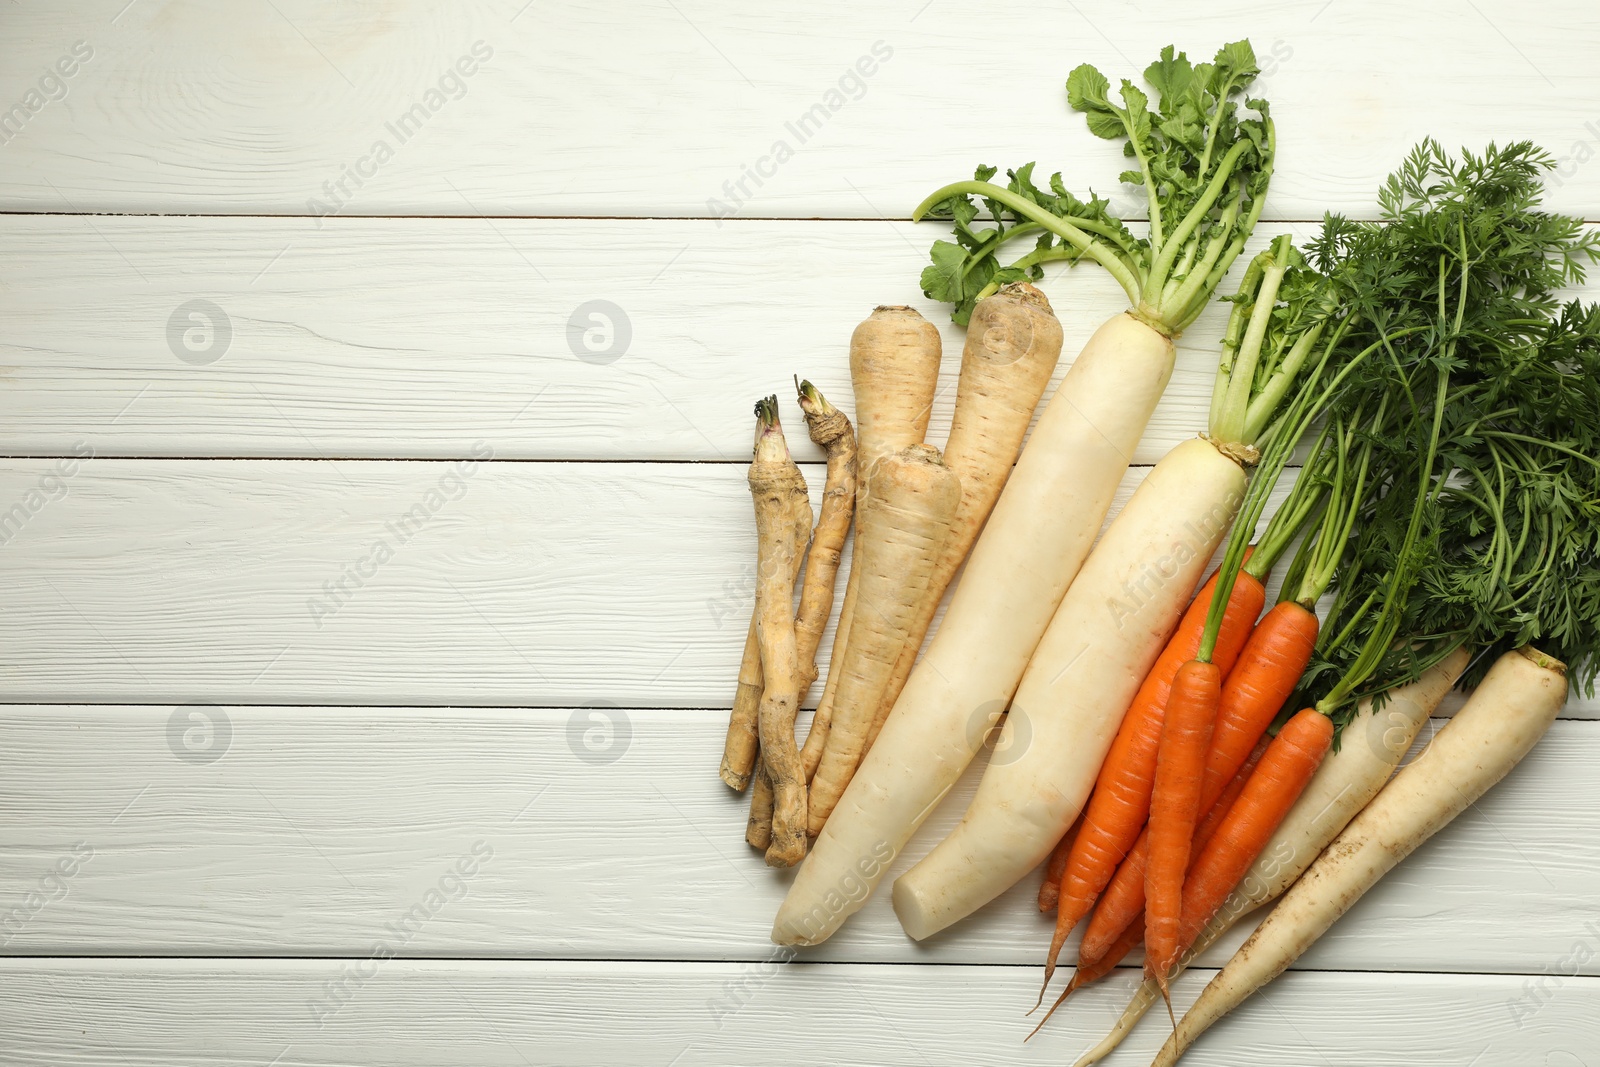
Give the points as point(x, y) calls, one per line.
point(567, 881)
point(389, 583)
point(604, 833)
point(386, 338)
point(408, 583)
point(656, 109)
point(149, 1013)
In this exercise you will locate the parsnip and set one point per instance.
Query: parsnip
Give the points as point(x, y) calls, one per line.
point(894, 371)
point(1013, 345)
point(905, 520)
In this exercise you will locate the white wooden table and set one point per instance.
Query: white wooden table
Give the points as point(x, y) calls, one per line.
point(356, 608)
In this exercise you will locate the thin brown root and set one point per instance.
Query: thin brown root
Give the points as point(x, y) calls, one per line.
point(1049, 972)
point(1166, 997)
point(1072, 987)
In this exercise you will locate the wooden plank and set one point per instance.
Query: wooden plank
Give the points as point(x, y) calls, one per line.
point(197, 830)
point(444, 333)
point(151, 1013)
point(407, 583)
point(297, 581)
point(660, 109)
point(448, 332)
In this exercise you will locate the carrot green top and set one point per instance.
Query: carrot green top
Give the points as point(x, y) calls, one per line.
point(1204, 166)
point(1452, 495)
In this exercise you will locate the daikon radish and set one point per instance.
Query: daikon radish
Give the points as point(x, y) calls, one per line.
point(1114, 622)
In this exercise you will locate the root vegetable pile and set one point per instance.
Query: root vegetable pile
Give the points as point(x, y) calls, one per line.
point(1174, 759)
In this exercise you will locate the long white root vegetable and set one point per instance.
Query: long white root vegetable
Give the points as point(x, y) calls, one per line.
point(1013, 345)
point(1504, 718)
point(894, 371)
point(1099, 646)
point(783, 522)
point(905, 520)
point(1372, 747)
point(1038, 536)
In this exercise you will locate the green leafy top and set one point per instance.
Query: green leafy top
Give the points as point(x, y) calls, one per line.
point(1481, 522)
point(1515, 557)
point(1204, 166)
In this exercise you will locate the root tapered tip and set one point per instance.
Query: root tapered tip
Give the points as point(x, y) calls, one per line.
point(1049, 972)
point(1166, 998)
point(1072, 986)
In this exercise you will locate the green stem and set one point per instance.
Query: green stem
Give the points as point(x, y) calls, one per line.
point(1305, 500)
point(1193, 300)
point(1230, 426)
point(1162, 265)
point(1026, 208)
point(988, 189)
point(1238, 316)
point(1400, 577)
point(1188, 300)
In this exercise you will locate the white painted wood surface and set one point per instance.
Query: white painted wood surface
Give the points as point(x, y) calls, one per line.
point(647, 109)
point(619, 916)
point(304, 831)
point(458, 332)
point(153, 1013)
point(406, 583)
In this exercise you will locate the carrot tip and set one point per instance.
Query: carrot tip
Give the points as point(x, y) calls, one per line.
point(1062, 999)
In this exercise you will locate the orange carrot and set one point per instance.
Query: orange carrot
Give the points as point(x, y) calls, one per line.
point(1285, 768)
point(1219, 811)
point(1175, 805)
point(1121, 799)
point(1050, 888)
point(1123, 901)
point(1265, 675)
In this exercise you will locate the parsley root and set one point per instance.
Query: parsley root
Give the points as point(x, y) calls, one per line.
point(905, 519)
